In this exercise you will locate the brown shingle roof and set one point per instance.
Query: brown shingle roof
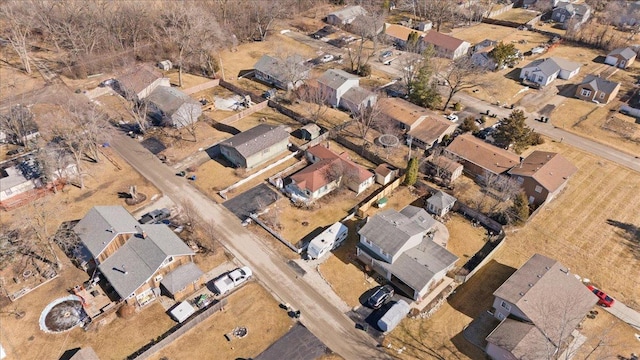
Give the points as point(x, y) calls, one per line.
point(485, 155)
point(549, 169)
point(403, 111)
point(431, 129)
point(445, 163)
point(441, 40)
point(138, 79)
point(400, 32)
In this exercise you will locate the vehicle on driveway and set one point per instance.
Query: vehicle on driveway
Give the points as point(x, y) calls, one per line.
point(452, 117)
point(604, 299)
point(386, 54)
point(155, 216)
point(326, 58)
point(380, 296)
point(232, 280)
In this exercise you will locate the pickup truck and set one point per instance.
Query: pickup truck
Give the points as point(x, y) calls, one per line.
point(155, 216)
point(232, 280)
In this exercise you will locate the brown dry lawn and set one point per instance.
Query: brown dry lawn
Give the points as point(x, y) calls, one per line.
point(16, 82)
point(188, 80)
point(475, 34)
point(464, 239)
point(251, 307)
point(518, 15)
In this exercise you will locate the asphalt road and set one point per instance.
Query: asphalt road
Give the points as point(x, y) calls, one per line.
point(319, 315)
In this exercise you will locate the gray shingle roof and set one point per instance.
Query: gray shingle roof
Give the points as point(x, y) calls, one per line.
point(181, 277)
point(521, 339)
point(564, 64)
point(600, 84)
point(349, 12)
point(356, 95)
point(297, 344)
point(441, 200)
point(169, 99)
point(275, 67)
point(390, 230)
point(256, 139)
point(135, 262)
point(334, 78)
point(578, 9)
point(101, 225)
point(626, 53)
point(549, 295)
point(139, 78)
point(86, 353)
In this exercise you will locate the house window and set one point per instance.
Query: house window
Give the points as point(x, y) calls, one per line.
point(585, 92)
point(367, 242)
point(500, 316)
point(505, 306)
point(520, 180)
point(158, 278)
point(540, 78)
point(538, 189)
point(601, 95)
point(167, 261)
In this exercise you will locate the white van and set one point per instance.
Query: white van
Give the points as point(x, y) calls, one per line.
point(328, 240)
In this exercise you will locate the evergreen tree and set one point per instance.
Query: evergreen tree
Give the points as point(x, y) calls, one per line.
point(412, 172)
point(502, 53)
point(423, 91)
point(469, 124)
point(513, 130)
point(519, 209)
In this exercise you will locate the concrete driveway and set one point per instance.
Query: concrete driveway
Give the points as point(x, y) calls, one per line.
point(625, 313)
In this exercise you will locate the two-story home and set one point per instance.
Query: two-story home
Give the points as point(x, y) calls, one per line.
point(539, 308)
point(284, 74)
point(135, 259)
point(566, 13)
point(480, 158)
point(399, 246)
point(255, 146)
point(343, 90)
point(621, 57)
point(168, 106)
point(596, 89)
point(543, 175)
point(138, 83)
point(446, 46)
point(544, 71)
point(425, 127)
point(327, 171)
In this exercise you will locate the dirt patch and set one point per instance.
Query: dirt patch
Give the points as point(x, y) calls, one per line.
point(251, 307)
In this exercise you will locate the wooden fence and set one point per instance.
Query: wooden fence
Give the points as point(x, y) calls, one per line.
point(483, 219)
point(177, 331)
point(244, 113)
point(480, 259)
point(385, 191)
point(491, 13)
point(204, 86)
point(238, 90)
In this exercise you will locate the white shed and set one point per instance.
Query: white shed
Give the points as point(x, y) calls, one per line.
point(165, 65)
point(182, 312)
point(393, 316)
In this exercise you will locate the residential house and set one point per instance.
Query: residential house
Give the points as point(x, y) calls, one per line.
point(543, 175)
point(135, 259)
point(19, 179)
point(425, 127)
point(483, 45)
point(335, 83)
point(483, 59)
point(440, 203)
point(255, 146)
point(596, 89)
point(621, 57)
point(140, 82)
point(399, 246)
point(284, 74)
point(169, 106)
point(539, 308)
point(345, 15)
point(566, 13)
point(327, 171)
point(385, 173)
point(357, 98)
point(446, 46)
point(544, 71)
point(399, 35)
point(480, 158)
point(446, 169)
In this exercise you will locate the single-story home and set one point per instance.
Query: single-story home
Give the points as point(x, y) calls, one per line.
point(483, 59)
point(286, 74)
point(440, 203)
point(544, 71)
point(480, 158)
point(399, 35)
point(446, 168)
point(596, 89)
point(539, 308)
point(327, 171)
point(138, 83)
point(19, 179)
point(483, 45)
point(345, 15)
point(385, 173)
point(566, 12)
point(399, 247)
point(621, 57)
point(357, 98)
point(135, 258)
point(446, 46)
point(543, 175)
point(255, 146)
point(169, 106)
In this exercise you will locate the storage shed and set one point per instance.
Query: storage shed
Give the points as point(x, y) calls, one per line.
point(182, 312)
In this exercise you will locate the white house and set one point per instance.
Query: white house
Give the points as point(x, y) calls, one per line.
point(399, 246)
point(138, 83)
point(170, 106)
point(440, 203)
point(621, 57)
point(346, 15)
point(335, 83)
point(18, 179)
point(544, 71)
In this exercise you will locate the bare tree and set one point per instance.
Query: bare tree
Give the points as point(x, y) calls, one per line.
point(264, 13)
point(367, 29)
point(459, 76)
point(139, 110)
point(316, 97)
point(40, 216)
point(440, 11)
point(17, 124)
point(366, 119)
point(18, 26)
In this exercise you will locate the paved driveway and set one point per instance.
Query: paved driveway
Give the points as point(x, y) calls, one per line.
point(625, 313)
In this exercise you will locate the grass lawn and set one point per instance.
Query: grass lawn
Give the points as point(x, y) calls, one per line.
point(464, 239)
point(251, 307)
point(518, 15)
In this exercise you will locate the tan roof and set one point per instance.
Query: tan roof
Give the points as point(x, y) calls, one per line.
point(399, 31)
point(403, 111)
point(521, 339)
point(431, 129)
point(314, 176)
point(445, 163)
point(441, 40)
point(139, 78)
point(549, 169)
point(548, 295)
point(487, 156)
point(384, 169)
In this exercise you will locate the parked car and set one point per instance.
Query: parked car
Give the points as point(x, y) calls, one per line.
point(155, 216)
point(452, 117)
point(604, 299)
point(232, 280)
point(380, 296)
point(386, 54)
point(326, 58)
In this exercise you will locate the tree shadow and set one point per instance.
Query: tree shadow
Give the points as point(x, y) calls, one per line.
point(629, 232)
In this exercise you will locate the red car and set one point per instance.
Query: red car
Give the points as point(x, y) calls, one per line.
point(605, 300)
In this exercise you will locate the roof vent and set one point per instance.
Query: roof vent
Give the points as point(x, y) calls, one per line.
point(539, 276)
point(530, 285)
point(546, 267)
point(521, 294)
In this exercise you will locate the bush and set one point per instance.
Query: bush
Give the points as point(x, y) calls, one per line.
point(365, 70)
point(412, 172)
point(457, 106)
